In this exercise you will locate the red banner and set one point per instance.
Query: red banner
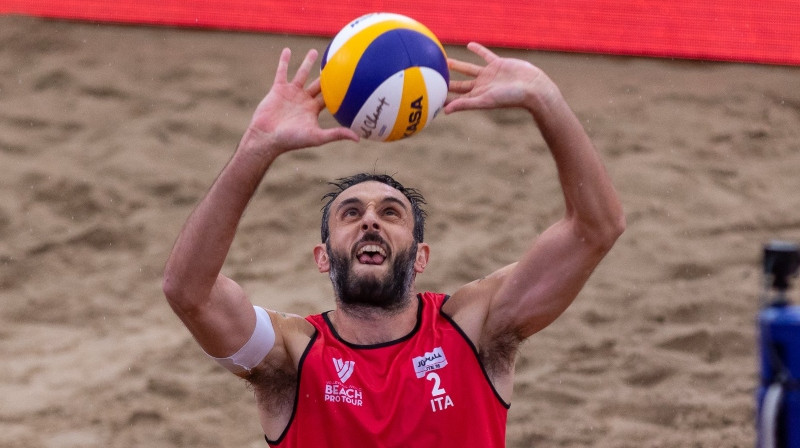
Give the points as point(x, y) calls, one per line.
point(728, 30)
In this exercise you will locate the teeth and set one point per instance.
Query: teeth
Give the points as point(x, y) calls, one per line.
point(372, 248)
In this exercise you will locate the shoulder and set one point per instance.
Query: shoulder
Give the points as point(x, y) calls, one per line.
point(469, 306)
point(293, 333)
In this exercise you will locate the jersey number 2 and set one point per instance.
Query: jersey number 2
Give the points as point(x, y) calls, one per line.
point(437, 384)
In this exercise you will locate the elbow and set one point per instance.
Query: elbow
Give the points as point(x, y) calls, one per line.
point(618, 227)
point(603, 234)
point(177, 292)
point(611, 231)
point(172, 288)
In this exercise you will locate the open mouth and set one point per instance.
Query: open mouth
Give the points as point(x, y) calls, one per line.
point(371, 254)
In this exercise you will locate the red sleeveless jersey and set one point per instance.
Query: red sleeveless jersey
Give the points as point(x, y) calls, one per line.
point(427, 389)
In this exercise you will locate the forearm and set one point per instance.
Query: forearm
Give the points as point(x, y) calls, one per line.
point(591, 200)
point(205, 239)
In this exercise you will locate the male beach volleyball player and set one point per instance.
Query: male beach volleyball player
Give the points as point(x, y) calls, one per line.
point(389, 367)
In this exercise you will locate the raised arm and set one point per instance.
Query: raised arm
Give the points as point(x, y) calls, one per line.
point(213, 307)
point(515, 302)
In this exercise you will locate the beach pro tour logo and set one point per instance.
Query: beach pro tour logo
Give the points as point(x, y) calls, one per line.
point(428, 362)
point(337, 391)
point(344, 369)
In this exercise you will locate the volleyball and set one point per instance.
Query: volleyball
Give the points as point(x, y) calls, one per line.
point(384, 76)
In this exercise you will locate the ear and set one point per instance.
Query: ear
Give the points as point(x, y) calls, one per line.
point(321, 257)
point(423, 252)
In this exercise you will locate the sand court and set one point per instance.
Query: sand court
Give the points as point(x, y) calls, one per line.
point(109, 135)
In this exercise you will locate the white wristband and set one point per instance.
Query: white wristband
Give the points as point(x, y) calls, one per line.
point(254, 350)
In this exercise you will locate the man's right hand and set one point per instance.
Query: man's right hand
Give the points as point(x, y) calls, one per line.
point(288, 117)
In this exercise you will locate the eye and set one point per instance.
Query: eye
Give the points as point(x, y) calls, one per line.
point(391, 211)
point(350, 212)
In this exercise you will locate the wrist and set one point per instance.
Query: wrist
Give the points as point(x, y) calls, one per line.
point(541, 95)
point(262, 146)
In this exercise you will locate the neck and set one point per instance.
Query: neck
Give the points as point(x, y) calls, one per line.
point(363, 325)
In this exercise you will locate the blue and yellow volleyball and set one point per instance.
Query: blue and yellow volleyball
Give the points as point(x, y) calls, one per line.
point(384, 76)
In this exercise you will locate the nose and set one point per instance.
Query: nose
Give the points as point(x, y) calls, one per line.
point(369, 222)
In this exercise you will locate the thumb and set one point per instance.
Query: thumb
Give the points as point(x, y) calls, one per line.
point(339, 133)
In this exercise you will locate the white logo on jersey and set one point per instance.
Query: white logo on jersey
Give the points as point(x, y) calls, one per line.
point(429, 361)
point(336, 392)
point(344, 368)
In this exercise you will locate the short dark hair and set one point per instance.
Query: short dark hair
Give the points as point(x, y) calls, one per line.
point(342, 184)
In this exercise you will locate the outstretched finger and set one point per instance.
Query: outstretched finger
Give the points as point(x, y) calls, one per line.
point(465, 103)
point(314, 88)
point(301, 76)
point(461, 86)
point(486, 54)
point(283, 66)
point(465, 68)
point(320, 103)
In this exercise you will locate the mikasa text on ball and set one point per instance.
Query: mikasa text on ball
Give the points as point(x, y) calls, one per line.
point(384, 76)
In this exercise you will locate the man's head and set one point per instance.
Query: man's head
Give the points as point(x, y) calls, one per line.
point(372, 230)
point(414, 198)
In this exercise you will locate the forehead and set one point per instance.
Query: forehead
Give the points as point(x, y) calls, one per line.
point(371, 191)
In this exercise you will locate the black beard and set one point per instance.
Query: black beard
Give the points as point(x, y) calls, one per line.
point(389, 293)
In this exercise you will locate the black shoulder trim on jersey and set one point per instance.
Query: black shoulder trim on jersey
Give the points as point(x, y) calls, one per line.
point(296, 392)
point(475, 352)
point(382, 344)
